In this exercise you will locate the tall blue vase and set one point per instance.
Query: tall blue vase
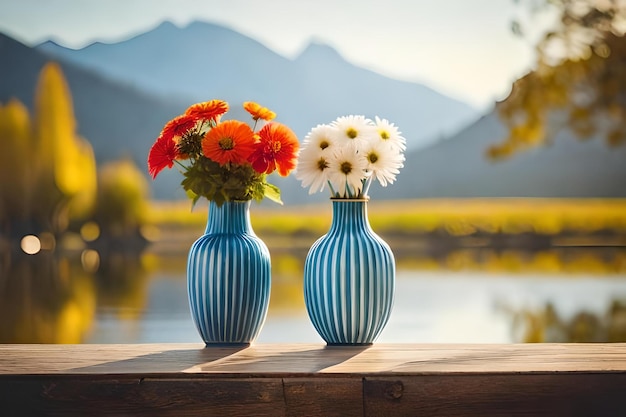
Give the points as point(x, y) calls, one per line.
point(228, 277)
point(349, 278)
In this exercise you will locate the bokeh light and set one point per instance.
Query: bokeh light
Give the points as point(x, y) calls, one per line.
point(90, 259)
point(90, 231)
point(30, 244)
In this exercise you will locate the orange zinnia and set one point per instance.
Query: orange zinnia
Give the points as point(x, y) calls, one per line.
point(162, 154)
point(178, 126)
point(208, 110)
point(229, 141)
point(277, 149)
point(258, 112)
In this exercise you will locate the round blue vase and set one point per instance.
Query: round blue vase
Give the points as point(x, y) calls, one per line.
point(349, 278)
point(228, 277)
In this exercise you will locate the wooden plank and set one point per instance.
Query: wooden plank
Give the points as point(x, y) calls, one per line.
point(82, 396)
point(313, 380)
point(329, 397)
point(453, 358)
point(497, 395)
point(310, 358)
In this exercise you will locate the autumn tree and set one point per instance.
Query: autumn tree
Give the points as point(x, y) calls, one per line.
point(121, 200)
point(71, 156)
point(16, 177)
point(47, 171)
point(579, 82)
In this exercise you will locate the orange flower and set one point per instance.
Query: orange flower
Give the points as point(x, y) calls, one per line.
point(277, 149)
point(230, 141)
point(162, 154)
point(178, 126)
point(208, 110)
point(258, 112)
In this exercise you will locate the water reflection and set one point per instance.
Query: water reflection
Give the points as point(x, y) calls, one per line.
point(469, 295)
point(546, 324)
point(576, 260)
point(45, 299)
point(122, 282)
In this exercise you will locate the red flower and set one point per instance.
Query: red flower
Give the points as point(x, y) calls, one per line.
point(162, 154)
point(178, 126)
point(229, 141)
point(277, 149)
point(208, 110)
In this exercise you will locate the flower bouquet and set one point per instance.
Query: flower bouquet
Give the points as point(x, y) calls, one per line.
point(225, 160)
point(348, 154)
point(349, 273)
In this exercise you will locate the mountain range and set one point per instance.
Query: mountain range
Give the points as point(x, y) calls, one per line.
point(118, 120)
point(566, 168)
point(203, 61)
point(124, 92)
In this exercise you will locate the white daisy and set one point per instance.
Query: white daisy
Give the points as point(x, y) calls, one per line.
point(312, 168)
point(384, 163)
point(347, 171)
point(388, 133)
point(355, 129)
point(321, 137)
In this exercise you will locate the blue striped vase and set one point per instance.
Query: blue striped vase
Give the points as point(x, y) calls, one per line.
point(349, 278)
point(228, 277)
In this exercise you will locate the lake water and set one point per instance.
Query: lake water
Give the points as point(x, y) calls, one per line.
point(437, 307)
point(144, 300)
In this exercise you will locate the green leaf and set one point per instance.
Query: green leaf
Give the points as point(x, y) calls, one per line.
point(272, 192)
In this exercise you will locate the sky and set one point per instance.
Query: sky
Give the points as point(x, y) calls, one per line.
point(462, 48)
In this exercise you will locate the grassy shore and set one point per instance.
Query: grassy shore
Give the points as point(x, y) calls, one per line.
point(544, 235)
point(455, 217)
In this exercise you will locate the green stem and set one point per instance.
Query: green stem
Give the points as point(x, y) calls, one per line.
point(183, 166)
point(333, 193)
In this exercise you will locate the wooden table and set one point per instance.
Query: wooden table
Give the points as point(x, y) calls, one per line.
point(313, 380)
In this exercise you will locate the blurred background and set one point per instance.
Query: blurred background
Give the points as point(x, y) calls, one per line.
point(508, 220)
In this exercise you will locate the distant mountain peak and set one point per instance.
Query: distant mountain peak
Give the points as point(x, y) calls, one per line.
point(203, 24)
point(167, 25)
point(50, 44)
point(317, 50)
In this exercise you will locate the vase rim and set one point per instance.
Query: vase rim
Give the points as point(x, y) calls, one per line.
point(232, 201)
point(350, 200)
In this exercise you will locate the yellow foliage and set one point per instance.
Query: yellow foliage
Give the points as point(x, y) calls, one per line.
point(586, 91)
point(72, 161)
point(48, 173)
point(16, 176)
point(122, 197)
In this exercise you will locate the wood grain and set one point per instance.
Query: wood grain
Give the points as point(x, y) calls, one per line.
point(311, 358)
point(313, 380)
point(497, 395)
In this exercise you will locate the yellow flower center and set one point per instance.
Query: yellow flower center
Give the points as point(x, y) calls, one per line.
point(372, 157)
point(226, 143)
point(352, 133)
point(276, 146)
point(384, 134)
point(346, 167)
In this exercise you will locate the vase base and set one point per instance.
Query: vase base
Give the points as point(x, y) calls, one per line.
point(227, 345)
point(348, 344)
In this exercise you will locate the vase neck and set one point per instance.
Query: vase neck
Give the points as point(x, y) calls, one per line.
point(231, 217)
point(349, 214)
